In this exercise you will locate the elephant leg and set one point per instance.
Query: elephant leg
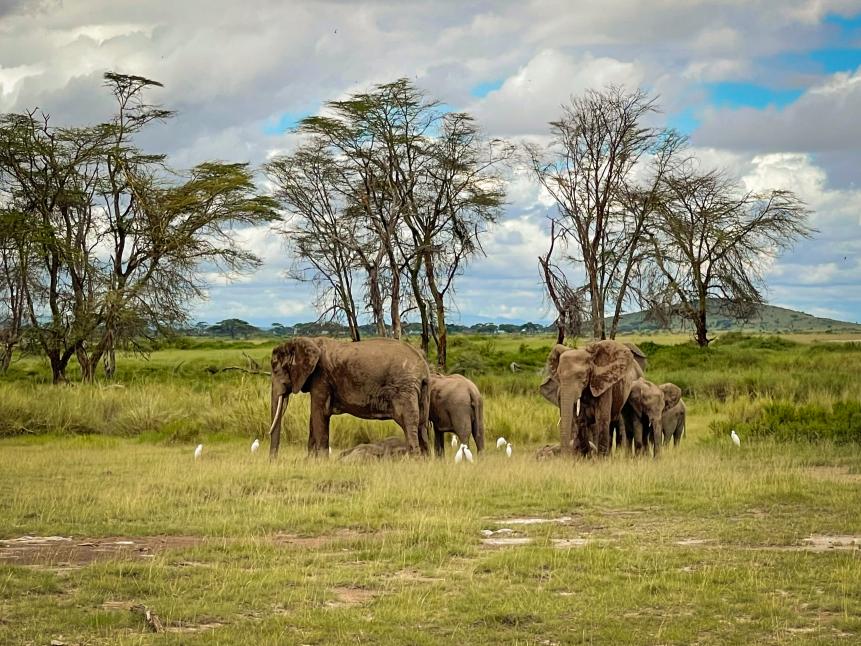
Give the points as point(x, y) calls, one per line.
point(438, 442)
point(602, 425)
point(639, 440)
point(406, 415)
point(318, 434)
point(678, 432)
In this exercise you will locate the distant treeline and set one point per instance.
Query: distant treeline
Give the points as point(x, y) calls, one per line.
point(239, 329)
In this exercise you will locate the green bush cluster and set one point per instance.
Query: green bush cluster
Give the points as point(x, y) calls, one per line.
point(786, 421)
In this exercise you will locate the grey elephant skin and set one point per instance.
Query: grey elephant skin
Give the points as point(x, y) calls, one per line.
point(599, 376)
point(375, 379)
point(675, 413)
point(643, 417)
point(390, 447)
point(456, 406)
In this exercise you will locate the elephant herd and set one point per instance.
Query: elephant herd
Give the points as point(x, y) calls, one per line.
point(600, 390)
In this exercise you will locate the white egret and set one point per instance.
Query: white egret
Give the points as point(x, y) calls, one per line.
point(454, 441)
point(735, 438)
point(501, 442)
point(508, 449)
point(198, 451)
point(466, 452)
point(255, 445)
point(458, 455)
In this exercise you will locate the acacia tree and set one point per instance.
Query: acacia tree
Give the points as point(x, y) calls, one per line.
point(14, 271)
point(710, 241)
point(323, 232)
point(117, 240)
point(566, 300)
point(421, 185)
point(377, 138)
point(591, 169)
point(456, 194)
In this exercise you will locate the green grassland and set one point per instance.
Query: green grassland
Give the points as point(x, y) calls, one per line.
point(709, 544)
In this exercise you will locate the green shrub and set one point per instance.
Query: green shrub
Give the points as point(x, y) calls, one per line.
point(839, 423)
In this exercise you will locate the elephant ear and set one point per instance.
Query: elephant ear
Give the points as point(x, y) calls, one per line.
point(610, 361)
point(672, 395)
point(302, 361)
point(639, 355)
point(549, 388)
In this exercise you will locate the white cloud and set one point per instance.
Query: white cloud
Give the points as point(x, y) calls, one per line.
point(533, 96)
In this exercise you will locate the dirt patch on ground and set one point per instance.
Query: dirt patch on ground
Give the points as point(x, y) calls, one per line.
point(562, 520)
point(826, 543)
point(348, 596)
point(66, 551)
point(316, 542)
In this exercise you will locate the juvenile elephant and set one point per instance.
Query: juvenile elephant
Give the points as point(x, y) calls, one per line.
point(675, 413)
point(643, 417)
point(598, 377)
point(376, 379)
point(456, 406)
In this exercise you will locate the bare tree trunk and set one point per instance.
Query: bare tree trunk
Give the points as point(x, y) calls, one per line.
point(421, 305)
point(58, 367)
point(375, 298)
point(395, 300)
point(700, 324)
point(6, 358)
point(439, 303)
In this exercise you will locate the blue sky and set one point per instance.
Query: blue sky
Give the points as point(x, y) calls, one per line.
point(769, 90)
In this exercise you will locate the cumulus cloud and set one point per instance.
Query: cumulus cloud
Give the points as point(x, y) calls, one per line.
point(823, 120)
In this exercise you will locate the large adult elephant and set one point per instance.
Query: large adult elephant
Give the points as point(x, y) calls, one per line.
point(598, 376)
point(643, 416)
point(675, 413)
point(456, 406)
point(376, 379)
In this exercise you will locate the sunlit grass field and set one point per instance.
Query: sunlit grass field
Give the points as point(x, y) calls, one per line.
point(710, 544)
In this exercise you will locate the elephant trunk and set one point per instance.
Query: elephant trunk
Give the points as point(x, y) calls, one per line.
point(569, 408)
point(278, 402)
point(478, 422)
point(658, 435)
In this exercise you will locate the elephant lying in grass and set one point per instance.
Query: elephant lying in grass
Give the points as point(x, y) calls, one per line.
point(456, 406)
point(390, 447)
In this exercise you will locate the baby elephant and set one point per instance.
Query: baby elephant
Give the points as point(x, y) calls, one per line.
point(674, 413)
point(456, 407)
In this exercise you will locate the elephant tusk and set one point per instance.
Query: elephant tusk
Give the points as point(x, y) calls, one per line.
point(277, 417)
point(592, 446)
point(578, 407)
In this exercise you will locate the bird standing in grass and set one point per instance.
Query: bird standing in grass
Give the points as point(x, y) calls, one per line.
point(454, 441)
point(735, 438)
point(458, 455)
point(501, 442)
point(198, 451)
point(508, 449)
point(255, 445)
point(466, 452)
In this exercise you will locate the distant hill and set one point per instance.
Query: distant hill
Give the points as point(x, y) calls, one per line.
point(768, 319)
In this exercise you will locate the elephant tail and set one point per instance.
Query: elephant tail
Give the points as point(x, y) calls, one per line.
point(477, 420)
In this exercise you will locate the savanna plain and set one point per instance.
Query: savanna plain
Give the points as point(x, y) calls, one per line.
point(105, 514)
